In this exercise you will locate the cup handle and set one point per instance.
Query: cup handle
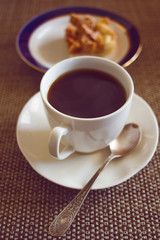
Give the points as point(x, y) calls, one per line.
point(55, 141)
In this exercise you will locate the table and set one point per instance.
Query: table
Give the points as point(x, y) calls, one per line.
point(29, 202)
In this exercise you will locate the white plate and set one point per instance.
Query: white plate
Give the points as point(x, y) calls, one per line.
point(75, 171)
point(48, 46)
point(41, 42)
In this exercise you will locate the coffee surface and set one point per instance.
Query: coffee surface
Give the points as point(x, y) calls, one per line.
point(86, 93)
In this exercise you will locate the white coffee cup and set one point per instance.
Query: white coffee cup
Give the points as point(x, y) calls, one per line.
point(69, 134)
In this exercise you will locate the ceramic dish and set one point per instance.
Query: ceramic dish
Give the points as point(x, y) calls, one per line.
point(32, 136)
point(41, 42)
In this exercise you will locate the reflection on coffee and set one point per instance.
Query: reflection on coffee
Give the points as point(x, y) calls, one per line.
point(86, 93)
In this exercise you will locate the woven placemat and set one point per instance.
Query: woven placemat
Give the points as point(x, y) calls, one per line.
point(29, 202)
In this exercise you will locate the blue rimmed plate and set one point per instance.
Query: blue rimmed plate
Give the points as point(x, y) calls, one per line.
point(41, 42)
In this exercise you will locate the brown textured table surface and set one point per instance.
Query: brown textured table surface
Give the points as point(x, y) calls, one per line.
point(29, 202)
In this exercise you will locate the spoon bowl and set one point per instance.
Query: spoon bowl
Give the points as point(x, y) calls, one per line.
point(126, 141)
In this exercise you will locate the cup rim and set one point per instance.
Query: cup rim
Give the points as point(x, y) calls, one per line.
point(44, 98)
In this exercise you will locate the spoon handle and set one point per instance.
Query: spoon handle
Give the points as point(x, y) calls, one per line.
point(63, 221)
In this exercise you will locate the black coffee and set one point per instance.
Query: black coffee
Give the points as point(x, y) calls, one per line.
point(86, 93)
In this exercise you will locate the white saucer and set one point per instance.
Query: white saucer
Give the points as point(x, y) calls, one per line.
point(75, 171)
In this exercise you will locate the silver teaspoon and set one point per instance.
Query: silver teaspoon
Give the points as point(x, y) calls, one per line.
point(121, 146)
